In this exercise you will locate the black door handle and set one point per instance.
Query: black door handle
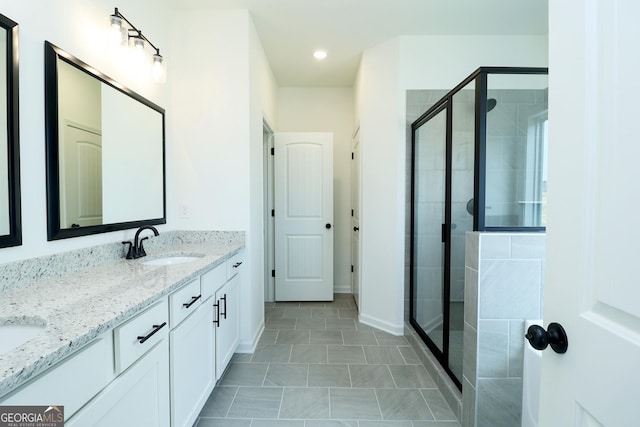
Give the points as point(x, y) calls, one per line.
point(555, 336)
point(327, 226)
point(356, 228)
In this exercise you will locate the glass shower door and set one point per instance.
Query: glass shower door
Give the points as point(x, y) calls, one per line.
point(462, 186)
point(428, 203)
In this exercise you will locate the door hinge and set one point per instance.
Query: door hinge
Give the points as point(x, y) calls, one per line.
point(273, 273)
point(353, 156)
point(352, 268)
point(273, 212)
point(273, 151)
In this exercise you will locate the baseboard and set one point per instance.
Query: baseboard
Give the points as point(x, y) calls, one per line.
point(381, 324)
point(341, 289)
point(250, 346)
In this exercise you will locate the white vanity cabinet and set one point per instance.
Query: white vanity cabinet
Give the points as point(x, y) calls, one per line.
point(227, 315)
point(157, 368)
point(192, 373)
point(227, 329)
point(139, 396)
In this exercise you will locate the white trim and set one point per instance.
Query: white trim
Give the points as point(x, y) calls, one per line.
point(382, 325)
point(342, 289)
point(250, 347)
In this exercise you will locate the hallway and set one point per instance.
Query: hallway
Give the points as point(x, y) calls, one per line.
point(317, 366)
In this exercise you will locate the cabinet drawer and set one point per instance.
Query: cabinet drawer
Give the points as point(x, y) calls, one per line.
point(72, 382)
point(234, 265)
point(184, 301)
point(140, 334)
point(212, 280)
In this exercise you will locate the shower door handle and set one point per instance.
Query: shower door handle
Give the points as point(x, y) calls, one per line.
point(555, 336)
point(445, 233)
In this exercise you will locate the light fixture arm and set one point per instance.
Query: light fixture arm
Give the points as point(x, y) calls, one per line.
point(134, 29)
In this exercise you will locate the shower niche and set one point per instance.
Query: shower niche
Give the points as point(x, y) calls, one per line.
point(477, 163)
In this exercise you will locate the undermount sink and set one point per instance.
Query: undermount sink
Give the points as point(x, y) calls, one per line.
point(14, 335)
point(172, 259)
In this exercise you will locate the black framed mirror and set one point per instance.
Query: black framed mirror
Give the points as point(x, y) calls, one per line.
point(104, 151)
point(10, 212)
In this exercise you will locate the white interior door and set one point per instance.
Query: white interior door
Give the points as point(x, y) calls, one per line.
point(304, 216)
point(355, 219)
point(81, 177)
point(592, 285)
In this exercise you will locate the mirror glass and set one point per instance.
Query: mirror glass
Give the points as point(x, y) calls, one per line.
point(10, 224)
point(105, 152)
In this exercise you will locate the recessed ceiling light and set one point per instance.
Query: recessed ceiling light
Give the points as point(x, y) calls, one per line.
point(320, 54)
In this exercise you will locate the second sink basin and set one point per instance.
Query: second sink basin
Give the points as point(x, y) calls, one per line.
point(172, 259)
point(14, 335)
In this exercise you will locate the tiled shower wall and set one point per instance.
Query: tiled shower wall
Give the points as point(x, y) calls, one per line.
point(509, 126)
point(503, 288)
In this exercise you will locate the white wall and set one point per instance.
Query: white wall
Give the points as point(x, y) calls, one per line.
point(80, 28)
point(386, 72)
point(327, 110)
point(210, 112)
point(263, 101)
point(382, 201)
point(223, 88)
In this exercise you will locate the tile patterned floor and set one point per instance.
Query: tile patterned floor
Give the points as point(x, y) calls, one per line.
point(317, 366)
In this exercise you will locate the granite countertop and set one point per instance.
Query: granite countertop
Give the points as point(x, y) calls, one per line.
point(77, 306)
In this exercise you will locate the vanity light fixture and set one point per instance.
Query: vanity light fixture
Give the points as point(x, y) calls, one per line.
point(124, 33)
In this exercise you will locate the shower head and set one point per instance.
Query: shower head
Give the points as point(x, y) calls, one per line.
point(491, 104)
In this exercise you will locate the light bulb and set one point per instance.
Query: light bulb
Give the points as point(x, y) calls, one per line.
point(158, 72)
point(319, 54)
point(136, 43)
point(117, 33)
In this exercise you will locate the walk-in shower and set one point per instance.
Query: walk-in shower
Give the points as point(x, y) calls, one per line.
point(478, 163)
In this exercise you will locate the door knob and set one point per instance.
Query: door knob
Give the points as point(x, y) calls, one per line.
point(327, 226)
point(356, 228)
point(555, 336)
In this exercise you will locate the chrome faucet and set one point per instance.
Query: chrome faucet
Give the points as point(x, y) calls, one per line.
point(137, 249)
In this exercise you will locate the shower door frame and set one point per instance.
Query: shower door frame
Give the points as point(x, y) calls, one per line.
point(442, 355)
point(479, 189)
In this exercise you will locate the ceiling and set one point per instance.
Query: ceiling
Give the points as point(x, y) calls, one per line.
point(290, 30)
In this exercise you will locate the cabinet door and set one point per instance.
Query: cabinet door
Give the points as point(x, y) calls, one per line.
point(192, 371)
point(139, 397)
point(228, 327)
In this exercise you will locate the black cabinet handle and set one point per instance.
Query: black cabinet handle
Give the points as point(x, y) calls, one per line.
point(356, 228)
point(237, 264)
point(327, 226)
point(224, 298)
point(156, 328)
point(193, 300)
point(217, 308)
